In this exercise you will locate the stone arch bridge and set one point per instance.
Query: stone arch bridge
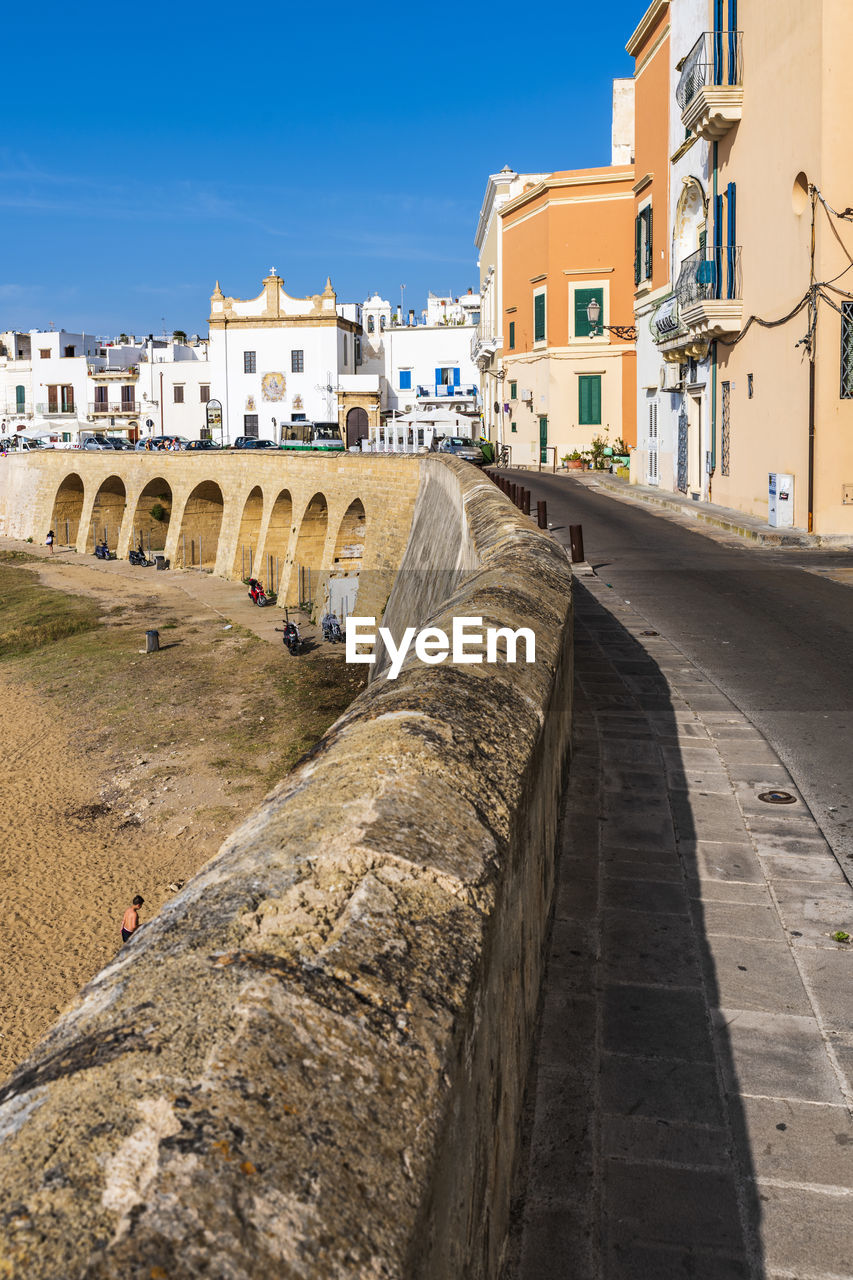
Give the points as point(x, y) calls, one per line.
point(233, 514)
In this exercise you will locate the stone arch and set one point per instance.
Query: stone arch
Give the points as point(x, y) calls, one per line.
point(308, 556)
point(201, 520)
point(152, 515)
point(107, 513)
point(690, 221)
point(349, 545)
point(275, 567)
point(357, 426)
point(249, 536)
point(67, 509)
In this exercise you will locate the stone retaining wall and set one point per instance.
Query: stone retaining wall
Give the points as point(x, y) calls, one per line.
point(311, 1063)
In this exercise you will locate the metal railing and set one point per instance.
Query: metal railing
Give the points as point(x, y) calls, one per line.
point(712, 274)
point(50, 411)
point(112, 409)
point(432, 391)
point(715, 59)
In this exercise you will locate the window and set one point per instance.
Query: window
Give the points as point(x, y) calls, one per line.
point(20, 398)
point(101, 397)
point(250, 425)
point(371, 324)
point(405, 379)
point(513, 391)
point(583, 297)
point(750, 386)
point(589, 400)
point(447, 377)
point(847, 351)
point(67, 399)
point(68, 353)
point(178, 393)
point(513, 427)
point(249, 362)
point(128, 399)
point(643, 245)
point(345, 349)
point(539, 316)
point(44, 353)
point(512, 335)
point(204, 392)
point(382, 323)
point(297, 362)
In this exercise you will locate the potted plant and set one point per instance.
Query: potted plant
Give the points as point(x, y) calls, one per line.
point(573, 461)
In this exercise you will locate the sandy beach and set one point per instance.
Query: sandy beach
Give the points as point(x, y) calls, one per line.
point(123, 772)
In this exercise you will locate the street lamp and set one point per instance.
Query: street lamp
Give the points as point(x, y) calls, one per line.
point(593, 315)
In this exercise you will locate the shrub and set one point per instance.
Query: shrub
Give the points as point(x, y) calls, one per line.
point(158, 512)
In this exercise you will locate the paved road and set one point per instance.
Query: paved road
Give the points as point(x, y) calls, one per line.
point(769, 628)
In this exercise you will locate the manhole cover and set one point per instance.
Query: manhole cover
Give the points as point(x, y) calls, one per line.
point(777, 797)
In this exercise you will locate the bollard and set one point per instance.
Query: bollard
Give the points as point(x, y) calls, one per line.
point(576, 543)
point(542, 514)
point(152, 641)
point(525, 501)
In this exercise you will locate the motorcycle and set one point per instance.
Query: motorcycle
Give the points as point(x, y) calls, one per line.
point(137, 556)
point(103, 552)
point(291, 637)
point(257, 593)
point(331, 628)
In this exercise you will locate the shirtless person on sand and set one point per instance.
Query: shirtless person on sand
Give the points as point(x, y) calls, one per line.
point(130, 920)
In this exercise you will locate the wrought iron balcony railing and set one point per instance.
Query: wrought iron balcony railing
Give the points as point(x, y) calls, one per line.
point(715, 59)
point(712, 274)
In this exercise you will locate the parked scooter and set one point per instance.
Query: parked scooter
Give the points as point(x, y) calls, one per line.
point(103, 552)
point(332, 628)
point(138, 556)
point(256, 591)
point(291, 637)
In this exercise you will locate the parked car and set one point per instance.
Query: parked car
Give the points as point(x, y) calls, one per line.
point(203, 444)
point(119, 442)
point(467, 450)
point(249, 442)
point(97, 442)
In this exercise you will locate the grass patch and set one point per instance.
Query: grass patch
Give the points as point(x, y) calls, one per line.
point(33, 616)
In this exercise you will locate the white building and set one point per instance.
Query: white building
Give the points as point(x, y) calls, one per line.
point(426, 365)
point(276, 359)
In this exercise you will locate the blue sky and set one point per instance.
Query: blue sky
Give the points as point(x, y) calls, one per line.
point(154, 152)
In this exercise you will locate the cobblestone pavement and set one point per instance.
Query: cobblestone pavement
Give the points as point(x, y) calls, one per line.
point(689, 1114)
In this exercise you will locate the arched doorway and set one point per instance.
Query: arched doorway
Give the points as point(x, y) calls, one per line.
point(198, 541)
point(246, 555)
point(308, 558)
point(356, 426)
point(107, 514)
point(152, 515)
point(67, 510)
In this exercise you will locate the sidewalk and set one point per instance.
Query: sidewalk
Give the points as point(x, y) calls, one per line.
point(689, 1108)
point(709, 513)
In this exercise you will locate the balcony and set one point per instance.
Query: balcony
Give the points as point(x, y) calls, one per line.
point(482, 349)
point(710, 91)
point(438, 391)
point(101, 409)
point(116, 375)
point(709, 293)
point(57, 411)
point(17, 409)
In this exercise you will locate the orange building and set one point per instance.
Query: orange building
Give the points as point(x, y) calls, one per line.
point(566, 243)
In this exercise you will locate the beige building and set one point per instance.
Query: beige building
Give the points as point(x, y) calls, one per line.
point(755, 334)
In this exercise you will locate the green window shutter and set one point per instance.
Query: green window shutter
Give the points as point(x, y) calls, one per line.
point(638, 237)
point(703, 241)
point(583, 297)
point(512, 335)
point(539, 318)
point(513, 391)
point(589, 400)
point(649, 252)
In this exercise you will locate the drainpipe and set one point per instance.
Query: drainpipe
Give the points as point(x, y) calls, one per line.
point(162, 429)
point(812, 352)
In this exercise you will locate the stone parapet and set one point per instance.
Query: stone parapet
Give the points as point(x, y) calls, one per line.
point(311, 1063)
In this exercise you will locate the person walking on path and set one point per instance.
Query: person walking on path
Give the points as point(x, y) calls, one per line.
point(51, 537)
point(130, 920)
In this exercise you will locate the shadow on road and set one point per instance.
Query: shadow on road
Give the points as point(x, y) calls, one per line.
point(630, 1168)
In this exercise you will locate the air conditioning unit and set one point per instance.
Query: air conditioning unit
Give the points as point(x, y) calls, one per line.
point(526, 395)
point(671, 377)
